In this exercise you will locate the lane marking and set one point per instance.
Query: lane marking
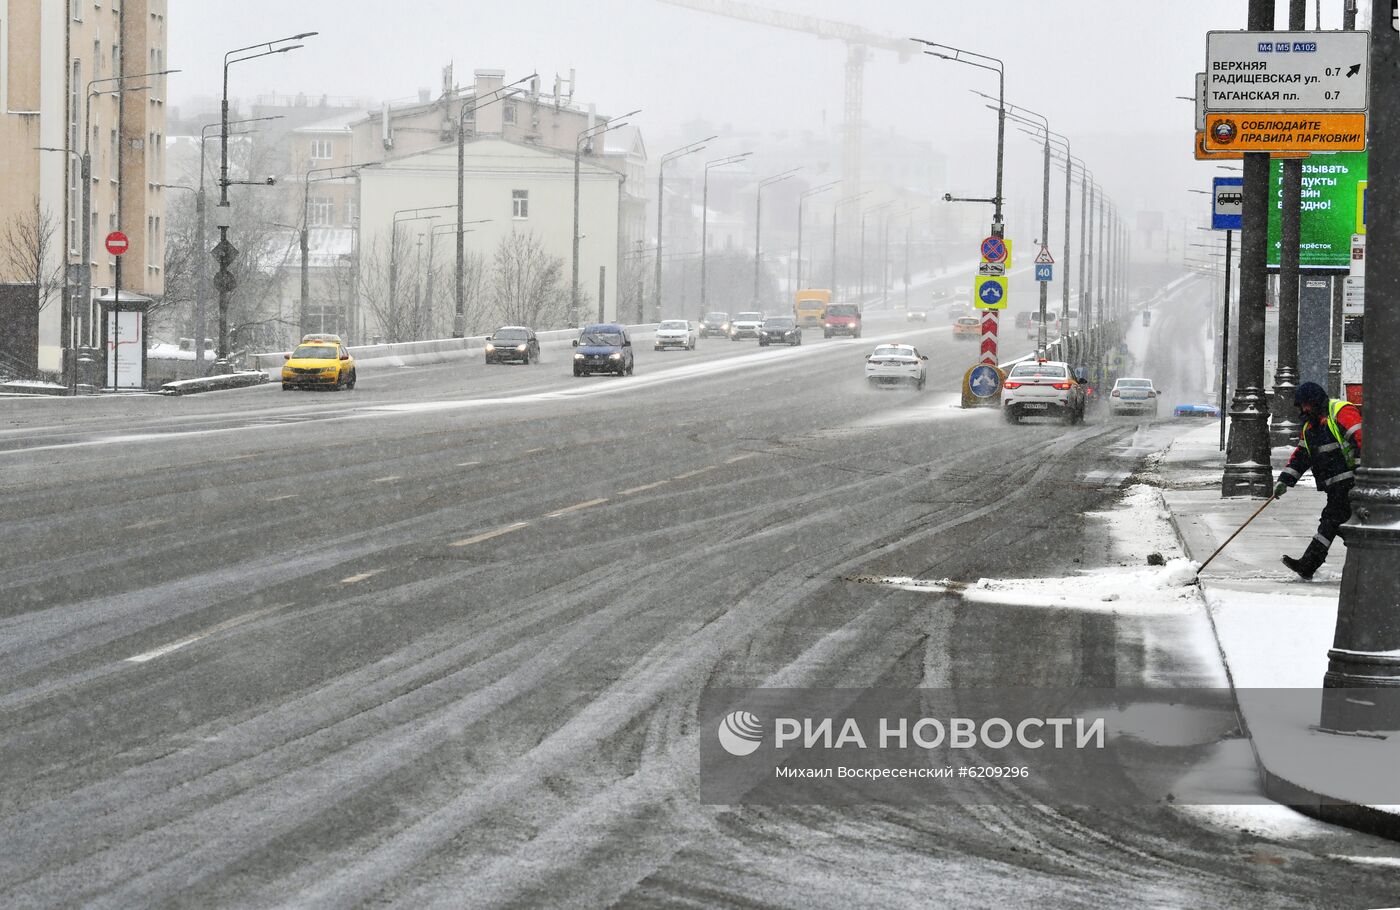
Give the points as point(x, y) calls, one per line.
point(361, 577)
point(740, 457)
point(212, 630)
point(698, 471)
point(385, 479)
point(647, 486)
point(239, 457)
point(282, 497)
point(533, 451)
point(467, 464)
point(487, 535)
point(575, 507)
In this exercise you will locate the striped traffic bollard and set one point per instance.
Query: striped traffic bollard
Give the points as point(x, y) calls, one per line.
point(989, 337)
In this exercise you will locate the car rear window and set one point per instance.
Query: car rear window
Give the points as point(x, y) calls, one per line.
point(1135, 383)
point(892, 350)
point(1039, 371)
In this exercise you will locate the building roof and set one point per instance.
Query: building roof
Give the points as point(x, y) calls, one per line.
point(340, 123)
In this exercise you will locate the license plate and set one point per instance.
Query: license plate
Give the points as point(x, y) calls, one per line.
point(1035, 406)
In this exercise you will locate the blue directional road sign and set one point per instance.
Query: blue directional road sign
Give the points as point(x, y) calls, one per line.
point(990, 293)
point(984, 381)
point(1227, 204)
point(1044, 271)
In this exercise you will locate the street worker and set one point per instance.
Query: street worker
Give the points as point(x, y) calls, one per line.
point(1330, 444)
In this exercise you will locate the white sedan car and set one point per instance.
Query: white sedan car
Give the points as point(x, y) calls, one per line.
point(1133, 396)
point(896, 364)
point(676, 333)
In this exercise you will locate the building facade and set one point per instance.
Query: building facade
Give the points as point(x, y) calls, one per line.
point(66, 97)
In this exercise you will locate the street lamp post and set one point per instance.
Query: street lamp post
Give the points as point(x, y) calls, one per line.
point(666, 159)
point(860, 294)
point(393, 254)
point(304, 238)
point(835, 211)
point(705, 217)
point(473, 104)
point(583, 138)
point(758, 226)
point(1044, 124)
point(224, 251)
point(800, 200)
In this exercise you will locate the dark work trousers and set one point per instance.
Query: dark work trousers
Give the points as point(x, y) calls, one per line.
point(1337, 510)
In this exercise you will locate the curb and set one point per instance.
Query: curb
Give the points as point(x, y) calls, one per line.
point(1329, 809)
point(215, 383)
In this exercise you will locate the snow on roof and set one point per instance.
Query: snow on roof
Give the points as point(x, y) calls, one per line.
point(340, 123)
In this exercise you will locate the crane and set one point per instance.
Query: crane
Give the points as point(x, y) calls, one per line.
point(859, 42)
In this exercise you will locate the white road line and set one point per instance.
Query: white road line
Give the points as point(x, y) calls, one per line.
point(533, 451)
point(467, 464)
point(361, 577)
point(282, 497)
point(740, 457)
point(575, 507)
point(221, 627)
point(647, 486)
point(487, 535)
point(386, 479)
point(698, 471)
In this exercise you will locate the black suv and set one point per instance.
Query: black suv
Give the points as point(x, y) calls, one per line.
point(779, 330)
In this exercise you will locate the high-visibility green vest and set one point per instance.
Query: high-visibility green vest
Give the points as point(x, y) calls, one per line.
point(1330, 421)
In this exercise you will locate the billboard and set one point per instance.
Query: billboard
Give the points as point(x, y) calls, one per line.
point(1329, 215)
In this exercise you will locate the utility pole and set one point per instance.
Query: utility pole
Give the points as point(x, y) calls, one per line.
point(666, 159)
point(1283, 428)
point(705, 220)
point(1225, 342)
point(1366, 648)
point(1247, 469)
point(758, 228)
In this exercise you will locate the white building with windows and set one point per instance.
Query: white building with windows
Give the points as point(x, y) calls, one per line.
point(519, 187)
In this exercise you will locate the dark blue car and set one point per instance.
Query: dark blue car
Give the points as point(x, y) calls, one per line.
point(604, 347)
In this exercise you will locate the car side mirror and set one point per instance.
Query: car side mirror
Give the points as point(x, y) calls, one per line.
point(923, 357)
point(575, 342)
point(627, 342)
point(345, 356)
point(286, 356)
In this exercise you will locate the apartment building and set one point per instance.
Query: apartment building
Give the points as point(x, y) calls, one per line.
point(65, 95)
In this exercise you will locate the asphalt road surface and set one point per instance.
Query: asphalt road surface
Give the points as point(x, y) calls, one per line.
point(440, 640)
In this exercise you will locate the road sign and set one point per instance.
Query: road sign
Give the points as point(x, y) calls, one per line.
point(984, 380)
point(117, 243)
point(1361, 206)
point(1227, 206)
point(1353, 296)
point(991, 268)
point(1203, 155)
point(994, 249)
point(1044, 257)
point(1286, 132)
point(1044, 271)
point(1287, 71)
point(1358, 255)
point(1200, 101)
point(991, 293)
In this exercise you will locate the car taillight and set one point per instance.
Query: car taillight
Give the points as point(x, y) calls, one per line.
point(1062, 386)
point(1012, 385)
point(1117, 394)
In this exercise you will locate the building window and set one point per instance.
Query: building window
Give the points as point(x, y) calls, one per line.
point(320, 149)
point(77, 7)
point(116, 157)
point(520, 204)
point(74, 172)
point(320, 211)
point(508, 114)
point(352, 212)
point(97, 58)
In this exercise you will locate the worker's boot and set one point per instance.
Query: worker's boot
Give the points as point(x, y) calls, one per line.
point(1308, 563)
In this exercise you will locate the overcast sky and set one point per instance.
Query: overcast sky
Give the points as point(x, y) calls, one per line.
point(1104, 71)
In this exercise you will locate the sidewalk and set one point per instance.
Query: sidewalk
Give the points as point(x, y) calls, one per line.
point(1274, 630)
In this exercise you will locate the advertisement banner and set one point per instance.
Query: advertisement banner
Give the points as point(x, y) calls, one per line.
point(1328, 210)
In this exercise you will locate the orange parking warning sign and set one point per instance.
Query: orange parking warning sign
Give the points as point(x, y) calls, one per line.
point(1203, 155)
point(1286, 132)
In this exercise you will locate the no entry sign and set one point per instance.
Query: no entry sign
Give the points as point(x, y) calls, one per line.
point(117, 243)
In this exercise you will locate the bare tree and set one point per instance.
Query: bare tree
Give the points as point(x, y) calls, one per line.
point(527, 282)
point(29, 244)
point(383, 288)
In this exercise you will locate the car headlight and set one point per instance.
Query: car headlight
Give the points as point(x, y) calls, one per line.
point(520, 347)
point(614, 356)
point(490, 348)
point(578, 356)
point(724, 328)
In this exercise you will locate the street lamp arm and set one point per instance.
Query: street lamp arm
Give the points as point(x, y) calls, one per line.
point(506, 91)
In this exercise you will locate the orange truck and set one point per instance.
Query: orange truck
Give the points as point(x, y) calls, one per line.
point(810, 307)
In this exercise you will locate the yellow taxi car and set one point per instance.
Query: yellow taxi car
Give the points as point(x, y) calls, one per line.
point(319, 362)
point(969, 327)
